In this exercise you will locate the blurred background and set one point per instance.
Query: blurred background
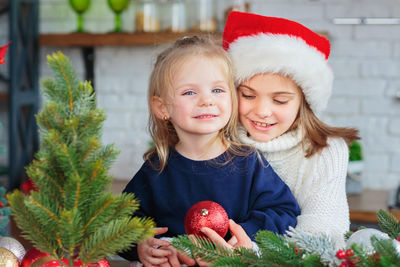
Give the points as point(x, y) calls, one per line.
point(117, 45)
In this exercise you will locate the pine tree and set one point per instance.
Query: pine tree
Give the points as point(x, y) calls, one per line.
point(73, 213)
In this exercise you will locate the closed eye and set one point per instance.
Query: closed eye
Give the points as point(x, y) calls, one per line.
point(280, 102)
point(247, 96)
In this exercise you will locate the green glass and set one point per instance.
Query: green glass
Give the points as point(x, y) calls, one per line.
point(117, 6)
point(80, 7)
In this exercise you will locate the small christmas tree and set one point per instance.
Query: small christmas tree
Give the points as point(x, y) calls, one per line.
point(72, 215)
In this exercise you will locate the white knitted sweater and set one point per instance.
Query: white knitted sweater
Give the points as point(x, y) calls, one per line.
point(318, 183)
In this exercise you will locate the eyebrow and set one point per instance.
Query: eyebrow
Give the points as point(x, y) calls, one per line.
point(274, 93)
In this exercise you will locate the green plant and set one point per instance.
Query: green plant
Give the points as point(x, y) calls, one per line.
point(355, 151)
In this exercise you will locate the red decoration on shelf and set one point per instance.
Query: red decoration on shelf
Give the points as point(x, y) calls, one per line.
point(206, 214)
point(3, 50)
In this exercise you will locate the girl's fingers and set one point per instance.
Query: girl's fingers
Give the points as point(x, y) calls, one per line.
point(154, 252)
point(232, 241)
point(155, 242)
point(148, 264)
point(243, 239)
point(186, 259)
point(216, 238)
point(160, 230)
point(157, 261)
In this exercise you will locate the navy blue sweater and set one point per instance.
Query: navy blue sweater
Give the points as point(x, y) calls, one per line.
point(250, 191)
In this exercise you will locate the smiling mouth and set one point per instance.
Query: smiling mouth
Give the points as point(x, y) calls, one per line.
point(262, 124)
point(205, 116)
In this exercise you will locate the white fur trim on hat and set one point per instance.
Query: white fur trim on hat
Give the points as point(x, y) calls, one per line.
point(286, 55)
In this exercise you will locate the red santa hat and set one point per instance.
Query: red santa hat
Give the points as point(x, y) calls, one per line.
point(259, 44)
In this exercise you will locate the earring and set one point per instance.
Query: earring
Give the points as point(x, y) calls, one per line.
point(165, 118)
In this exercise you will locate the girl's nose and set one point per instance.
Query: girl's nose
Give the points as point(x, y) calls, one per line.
point(206, 100)
point(263, 110)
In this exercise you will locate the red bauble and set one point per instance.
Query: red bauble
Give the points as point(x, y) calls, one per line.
point(78, 263)
point(206, 214)
point(35, 257)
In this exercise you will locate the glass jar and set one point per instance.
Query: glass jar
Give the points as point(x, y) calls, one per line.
point(147, 16)
point(203, 15)
point(237, 5)
point(173, 16)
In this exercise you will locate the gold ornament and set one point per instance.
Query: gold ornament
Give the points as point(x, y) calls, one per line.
point(14, 246)
point(8, 259)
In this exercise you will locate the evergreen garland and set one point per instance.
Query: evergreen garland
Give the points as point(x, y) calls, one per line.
point(73, 213)
point(298, 248)
point(388, 223)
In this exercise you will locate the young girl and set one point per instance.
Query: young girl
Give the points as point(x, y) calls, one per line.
point(284, 80)
point(193, 115)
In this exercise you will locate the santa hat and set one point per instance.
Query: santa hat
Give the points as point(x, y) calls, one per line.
point(259, 44)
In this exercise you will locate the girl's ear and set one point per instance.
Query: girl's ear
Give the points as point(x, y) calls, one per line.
point(159, 108)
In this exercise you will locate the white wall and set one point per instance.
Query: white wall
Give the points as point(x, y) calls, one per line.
point(365, 59)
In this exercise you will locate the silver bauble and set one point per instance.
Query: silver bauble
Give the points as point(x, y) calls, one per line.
point(396, 245)
point(363, 238)
point(14, 246)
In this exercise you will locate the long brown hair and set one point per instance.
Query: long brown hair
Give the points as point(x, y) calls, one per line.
point(316, 132)
point(162, 77)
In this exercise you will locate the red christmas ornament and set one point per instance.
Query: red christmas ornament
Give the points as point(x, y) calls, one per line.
point(206, 214)
point(78, 263)
point(35, 257)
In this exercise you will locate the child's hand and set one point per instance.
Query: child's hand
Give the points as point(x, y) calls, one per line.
point(176, 259)
point(150, 251)
point(239, 237)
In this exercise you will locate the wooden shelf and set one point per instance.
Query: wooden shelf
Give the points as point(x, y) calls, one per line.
point(113, 39)
point(363, 207)
point(119, 39)
point(3, 96)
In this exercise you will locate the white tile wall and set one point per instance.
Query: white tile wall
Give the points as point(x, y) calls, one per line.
point(365, 59)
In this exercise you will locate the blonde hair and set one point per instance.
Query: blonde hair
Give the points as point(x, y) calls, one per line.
point(162, 77)
point(316, 132)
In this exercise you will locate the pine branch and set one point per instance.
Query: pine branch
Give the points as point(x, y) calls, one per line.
point(388, 223)
point(386, 250)
point(321, 245)
point(113, 237)
point(202, 248)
